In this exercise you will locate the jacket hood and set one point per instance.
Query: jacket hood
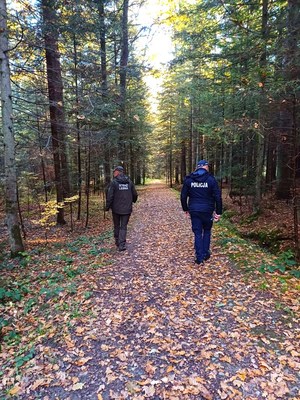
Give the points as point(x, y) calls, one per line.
point(200, 175)
point(122, 178)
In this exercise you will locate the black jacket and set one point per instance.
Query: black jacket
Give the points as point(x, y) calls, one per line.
point(120, 195)
point(200, 192)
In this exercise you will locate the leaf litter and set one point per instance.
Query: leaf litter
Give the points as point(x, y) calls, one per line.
point(148, 323)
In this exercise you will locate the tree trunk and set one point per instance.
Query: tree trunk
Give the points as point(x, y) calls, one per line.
point(11, 203)
point(104, 86)
point(183, 161)
point(288, 116)
point(57, 114)
point(103, 48)
point(191, 137)
point(170, 153)
point(293, 71)
point(262, 110)
point(123, 81)
point(88, 181)
point(79, 166)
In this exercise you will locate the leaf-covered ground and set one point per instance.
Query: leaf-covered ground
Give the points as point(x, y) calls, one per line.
point(148, 323)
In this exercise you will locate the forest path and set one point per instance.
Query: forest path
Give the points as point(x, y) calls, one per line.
point(167, 328)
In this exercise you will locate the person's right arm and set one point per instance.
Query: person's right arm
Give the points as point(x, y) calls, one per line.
point(184, 196)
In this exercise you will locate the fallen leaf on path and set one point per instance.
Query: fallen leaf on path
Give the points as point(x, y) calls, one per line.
point(78, 386)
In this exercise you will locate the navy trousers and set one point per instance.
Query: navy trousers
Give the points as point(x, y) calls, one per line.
point(120, 229)
point(201, 225)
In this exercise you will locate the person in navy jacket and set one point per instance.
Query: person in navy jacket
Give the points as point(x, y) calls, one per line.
point(201, 198)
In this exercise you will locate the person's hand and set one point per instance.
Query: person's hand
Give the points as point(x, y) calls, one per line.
point(187, 213)
point(217, 217)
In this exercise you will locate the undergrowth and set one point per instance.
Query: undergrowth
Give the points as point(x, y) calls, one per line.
point(54, 285)
point(250, 257)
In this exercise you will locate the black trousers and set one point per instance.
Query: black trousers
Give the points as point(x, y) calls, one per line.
point(120, 229)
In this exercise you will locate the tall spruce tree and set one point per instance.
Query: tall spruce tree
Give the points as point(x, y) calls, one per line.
point(56, 104)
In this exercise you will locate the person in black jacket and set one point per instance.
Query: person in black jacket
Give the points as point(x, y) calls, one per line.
point(120, 195)
point(201, 198)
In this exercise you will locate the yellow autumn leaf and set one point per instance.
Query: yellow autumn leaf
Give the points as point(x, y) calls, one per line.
point(242, 375)
point(15, 390)
point(170, 368)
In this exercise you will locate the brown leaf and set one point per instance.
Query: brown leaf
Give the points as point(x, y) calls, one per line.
point(83, 361)
point(150, 368)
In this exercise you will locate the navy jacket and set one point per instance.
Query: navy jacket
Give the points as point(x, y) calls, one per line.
point(200, 192)
point(120, 195)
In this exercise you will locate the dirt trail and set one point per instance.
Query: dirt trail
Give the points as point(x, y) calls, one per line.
point(170, 329)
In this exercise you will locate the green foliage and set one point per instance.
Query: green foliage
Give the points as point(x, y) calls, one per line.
point(250, 218)
point(228, 214)
point(72, 288)
point(295, 273)
point(24, 356)
point(284, 263)
point(13, 294)
point(51, 292)
point(96, 251)
point(73, 272)
point(24, 259)
point(13, 337)
point(65, 258)
point(266, 238)
point(88, 295)
point(3, 322)
point(29, 305)
point(13, 291)
point(250, 257)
